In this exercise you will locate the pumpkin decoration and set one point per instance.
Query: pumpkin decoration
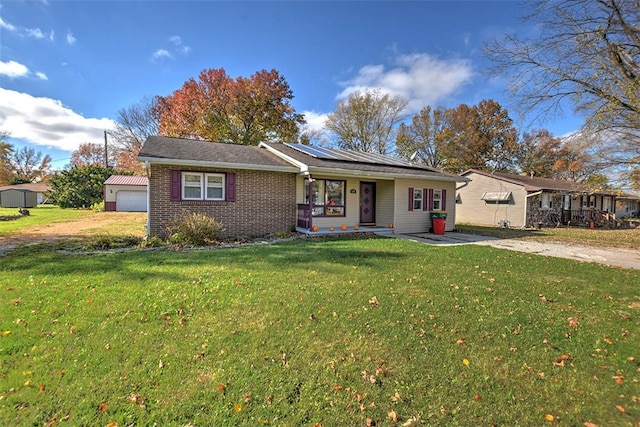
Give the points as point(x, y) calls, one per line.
point(343, 227)
point(314, 228)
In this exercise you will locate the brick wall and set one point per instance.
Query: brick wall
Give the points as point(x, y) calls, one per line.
point(265, 202)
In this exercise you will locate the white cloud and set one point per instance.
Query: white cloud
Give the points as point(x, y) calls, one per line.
point(29, 32)
point(420, 78)
point(70, 39)
point(6, 25)
point(13, 69)
point(178, 48)
point(162, 53)
point(315, 121)
point(46, 122)
point(42, 76)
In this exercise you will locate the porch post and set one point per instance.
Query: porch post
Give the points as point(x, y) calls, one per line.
point(310, 192)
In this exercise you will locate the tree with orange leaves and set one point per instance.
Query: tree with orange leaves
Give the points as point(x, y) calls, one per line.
point(243, 111)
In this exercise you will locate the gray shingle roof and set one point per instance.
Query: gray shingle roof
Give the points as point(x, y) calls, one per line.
point(534, 183)
point(160, 149)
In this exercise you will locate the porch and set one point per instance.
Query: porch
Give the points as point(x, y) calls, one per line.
point(326, 231)
point(588, 218)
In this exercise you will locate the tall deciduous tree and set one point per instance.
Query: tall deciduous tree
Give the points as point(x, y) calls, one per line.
point(30, 165)
point(423, 139)
point(88, 154)
point(134, 124)
point(481, 136)
point(243, 111)
point(6, 152)
point(366, 121)
point(538, 152)
point(587, 54)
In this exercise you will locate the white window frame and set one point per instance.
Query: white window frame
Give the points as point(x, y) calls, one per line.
point(546, 201)
point(418, 199)
point(437, 200)
point(204, 185)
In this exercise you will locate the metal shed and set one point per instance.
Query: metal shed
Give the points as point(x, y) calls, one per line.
point(18, 198)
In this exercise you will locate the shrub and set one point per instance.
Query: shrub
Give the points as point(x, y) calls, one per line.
point(194, 229)
point(98, 207)
point(151, 242)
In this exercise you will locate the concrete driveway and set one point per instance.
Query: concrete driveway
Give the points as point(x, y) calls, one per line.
point(619, 257)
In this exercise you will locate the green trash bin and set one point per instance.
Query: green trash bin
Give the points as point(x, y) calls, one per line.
point(439, 222)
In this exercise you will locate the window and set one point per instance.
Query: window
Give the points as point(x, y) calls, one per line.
point(203, 186)
point(418, 199)
point(546, 201)
point(437, 200)
point(427, 199)
point(327, 197)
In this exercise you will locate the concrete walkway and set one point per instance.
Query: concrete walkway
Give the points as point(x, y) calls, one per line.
point(625, 258)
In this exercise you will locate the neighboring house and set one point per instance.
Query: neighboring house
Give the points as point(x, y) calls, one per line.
point(493, 198)
point(255, 191)
point(24, 195)
point(628, 205)
point(125, 193)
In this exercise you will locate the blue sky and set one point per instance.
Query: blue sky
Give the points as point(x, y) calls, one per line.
point(67, 67)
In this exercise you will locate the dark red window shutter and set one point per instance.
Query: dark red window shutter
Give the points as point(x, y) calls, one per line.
point(176, 185)
point(410, 198)
point(231, 187)
point(429, 206)
point(443, 202)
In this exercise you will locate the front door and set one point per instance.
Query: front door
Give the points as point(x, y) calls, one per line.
point(368, 203)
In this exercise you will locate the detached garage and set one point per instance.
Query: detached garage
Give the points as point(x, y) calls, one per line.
point(125, 193)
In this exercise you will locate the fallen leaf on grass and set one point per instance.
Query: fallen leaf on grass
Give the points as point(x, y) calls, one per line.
point(373, 302)
point(393, 416)
point(618, 379)
point(620, 408)
point(461, 341)
point(411, 422)
point(573, 322)
point(465, 362)
point(549, 417)
point(103, 407)
point(5, 333)
point(588, 424)
point(237, 407)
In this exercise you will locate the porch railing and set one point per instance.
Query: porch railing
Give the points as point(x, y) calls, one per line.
point(304, 216)
point(584, 216)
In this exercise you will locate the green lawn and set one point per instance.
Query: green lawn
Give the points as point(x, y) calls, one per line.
point(317, 332)
point(40, 215)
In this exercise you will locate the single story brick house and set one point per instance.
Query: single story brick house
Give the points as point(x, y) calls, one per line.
point(275, 187)
point(494, 198)
point(124, 193)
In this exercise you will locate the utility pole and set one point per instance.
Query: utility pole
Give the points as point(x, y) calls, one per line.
point(106, 156)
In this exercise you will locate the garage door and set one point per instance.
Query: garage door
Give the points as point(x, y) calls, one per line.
point(131, 201)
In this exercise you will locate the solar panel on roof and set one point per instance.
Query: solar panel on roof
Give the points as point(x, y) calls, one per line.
point(349, 156)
